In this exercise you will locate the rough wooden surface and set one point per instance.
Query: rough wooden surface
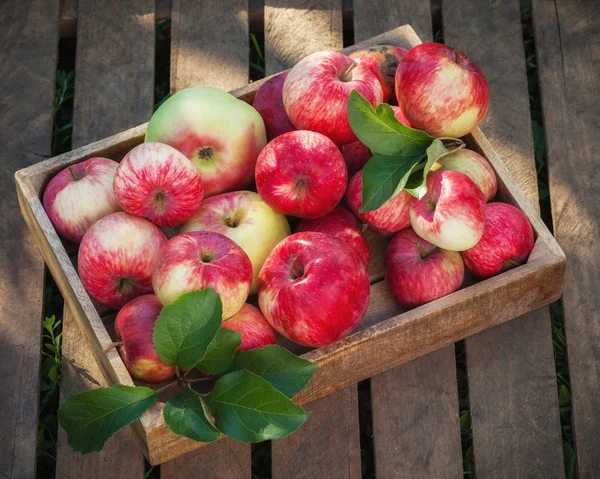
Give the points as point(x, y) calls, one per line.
point(29, 35)
point(421, 438)
point(568, 52)
point(209, 44)
point(112, 68)
point(297, 28)
point(512, 388)
point(327, 445)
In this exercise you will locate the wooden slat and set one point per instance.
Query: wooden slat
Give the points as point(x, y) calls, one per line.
point(209, 44)
point(567, 40)
point(512, 388)
point(405, 444)
point(29, 39)
point(293, 30)
point(114, 90)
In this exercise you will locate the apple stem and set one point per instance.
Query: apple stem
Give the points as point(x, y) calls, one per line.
point(73, 174)
point(164, 388)
point(297, 270)
point(363, 227)
point(457, 56)
point(197, 380)
point(422, 251)
point(113, 345)
point(344, 76)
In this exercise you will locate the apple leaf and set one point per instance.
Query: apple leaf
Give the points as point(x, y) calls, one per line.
point(383, 177)
point(92, 417)
point(185, 415)
point(220, 352)
point(285, 371)
point(185, 329)
point(248, 408)
point(381, 132)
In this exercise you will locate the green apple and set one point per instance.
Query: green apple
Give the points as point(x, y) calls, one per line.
point(247, 220)
point(219, 133)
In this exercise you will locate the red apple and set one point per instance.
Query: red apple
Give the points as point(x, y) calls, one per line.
point(193, 261)
point(506, 242)
point(219, 133)
point(246, 219)
point(157, 182)
point(316, 92)
point(451, 215)
point(474, 166)
point(383, 60)
point(418, 272)
point(313, 288)
point(133, 327)
point(251, 324)
point(400, 116)
point(342, 224)
point(390, 217)
point(117, 256)
point(441, 90)
point(80, 195)
point(301, 173)
point(269, 103)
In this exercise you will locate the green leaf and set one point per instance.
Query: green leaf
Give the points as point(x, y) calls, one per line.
point(92, 417)
point(247, 408)
point(416, 184)
point(564, 397)
point(185, 329)
point(185, 415)
point(285, 371)
point(381, 132)
point(220, 352)
point(383, 177)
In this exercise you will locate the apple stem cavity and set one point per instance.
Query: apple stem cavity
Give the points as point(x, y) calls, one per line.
point(73, 174)
point(300, 187)
point(297, 270)
point(231, 222)
point(160, 200)
point(347, 75)
point(124, 287)
point(113, 345)
point(422, 251)
point(206, 256)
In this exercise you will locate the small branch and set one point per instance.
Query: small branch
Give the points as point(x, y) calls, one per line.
point(165, 387)
point(113, 345)
point(197, 380)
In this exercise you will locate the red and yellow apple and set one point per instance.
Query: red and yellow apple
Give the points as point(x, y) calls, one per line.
point(133, 327)
point(251, 324)
point(117, 256)
point(219, 133)
point(197, 260)
point(313, 288)
point(80, 195)
point(269, 103)
point(246, 219)
point(441, 90)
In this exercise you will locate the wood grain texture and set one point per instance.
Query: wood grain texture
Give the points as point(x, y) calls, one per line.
point(29, 39)
point(405, 445)
point(209, 44)
point(113, 91)
point(327, 445)
point(114, 67)
point(226, 459)
point(567, 39)
point(297, 28)
point(512, 389)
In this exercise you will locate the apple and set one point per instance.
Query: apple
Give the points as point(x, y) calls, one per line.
point(246, 219)
point(418, 272)
point(197, 260)
point(451, 215)
point(117, 256)
point(80, 195)
point(313, 288)
point(133, 327)
point(301, 173)
point(157, 182)
point(251, 324)
point(219, 133)
point(441, 90)
point(506, 242)
point(316, 92)
point(341, 224)
point(400, 116)
point(269, 103)
point(383, 60)
point(390, 217)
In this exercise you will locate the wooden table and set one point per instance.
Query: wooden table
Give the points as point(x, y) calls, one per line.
point(512, 387)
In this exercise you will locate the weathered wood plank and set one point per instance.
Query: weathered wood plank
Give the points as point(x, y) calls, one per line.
point(405, 443)
point(29, 39)
point(512, 389)
point(209, 44)
point(327, 445)
point(114, 90)
point(567, 39)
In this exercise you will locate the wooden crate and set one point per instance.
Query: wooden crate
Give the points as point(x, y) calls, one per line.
point(387, 336)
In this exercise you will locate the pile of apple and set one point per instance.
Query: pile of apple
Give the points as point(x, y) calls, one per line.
point(204, 147)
